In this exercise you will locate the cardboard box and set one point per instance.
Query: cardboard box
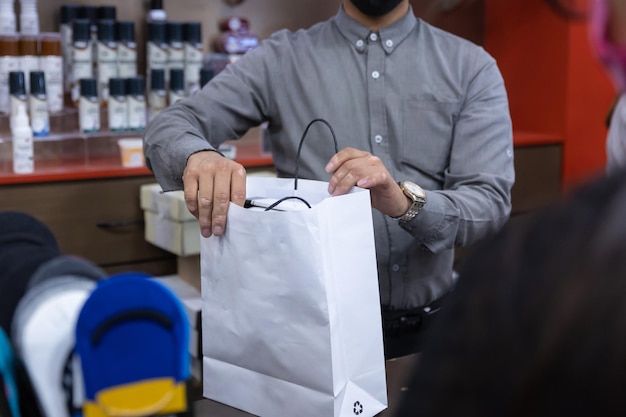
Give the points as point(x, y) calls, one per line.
point(168, 223)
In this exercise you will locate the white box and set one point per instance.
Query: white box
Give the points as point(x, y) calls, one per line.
point(168, 223)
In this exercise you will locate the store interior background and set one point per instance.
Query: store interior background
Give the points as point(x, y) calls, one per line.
point(559, 97)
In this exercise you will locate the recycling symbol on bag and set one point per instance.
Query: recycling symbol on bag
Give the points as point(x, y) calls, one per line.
point(358, 408)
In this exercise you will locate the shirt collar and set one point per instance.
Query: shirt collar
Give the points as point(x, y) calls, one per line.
point(390, 36)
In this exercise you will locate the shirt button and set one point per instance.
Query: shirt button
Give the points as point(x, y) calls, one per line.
point(359, 43)
point(378, 138)
point(375, 74)
point(395, 268)
point(373, 37)
point(389, 43)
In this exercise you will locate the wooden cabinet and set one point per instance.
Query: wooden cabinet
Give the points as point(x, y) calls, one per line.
point(98, 219)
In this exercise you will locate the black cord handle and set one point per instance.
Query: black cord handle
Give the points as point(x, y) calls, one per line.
point(332, 132)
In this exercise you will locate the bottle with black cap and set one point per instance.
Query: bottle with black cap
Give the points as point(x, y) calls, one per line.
point(118, 105)
point(206, 75)
point(193, 55)
point(68, 12)
point(89, 107)
point(177, 85)
point(17, 93)
point(126, 49)
point(156, 12)
point(90, 13)
point(175, 48)
point(106, 58)
point(38, 104)
point(135, 93)
point(157, 98)
point(156, 49)
point(82, 56)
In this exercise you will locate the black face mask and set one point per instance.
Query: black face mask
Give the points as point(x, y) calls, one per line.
point(375, 7)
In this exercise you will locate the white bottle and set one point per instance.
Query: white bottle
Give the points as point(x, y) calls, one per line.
point(29, 18)
point(23, 147)
point(156, 12)
point(7, 18)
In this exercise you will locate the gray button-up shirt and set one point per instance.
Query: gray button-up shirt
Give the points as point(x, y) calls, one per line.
point(430, 105)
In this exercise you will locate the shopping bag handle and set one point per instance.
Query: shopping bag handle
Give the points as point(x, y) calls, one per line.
point(332, 132)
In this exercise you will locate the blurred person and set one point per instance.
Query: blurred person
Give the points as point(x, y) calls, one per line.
point(616, 138)
point(537, 323)
point(421, 118)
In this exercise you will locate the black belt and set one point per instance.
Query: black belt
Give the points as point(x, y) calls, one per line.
point(400, 322)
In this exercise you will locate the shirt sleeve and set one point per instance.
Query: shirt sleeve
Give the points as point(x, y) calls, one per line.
point(233, 102)
point(476, 197)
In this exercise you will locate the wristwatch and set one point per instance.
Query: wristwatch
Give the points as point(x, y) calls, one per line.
point(417, 195)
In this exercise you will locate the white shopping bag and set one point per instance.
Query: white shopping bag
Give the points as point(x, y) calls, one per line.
point(291, 322)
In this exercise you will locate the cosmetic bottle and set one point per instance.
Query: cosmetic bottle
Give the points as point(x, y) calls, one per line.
point(156, 12)
point(156, 48)
point(51, 63)
point(17, 93)
point(107, 12)
point(106, 61)
point(29, 56)
point(9, 61)
point(82, 56)
point(176, 89)
point(118, 105)
point(206, 75)
point(88, 106)
point(8, 25)
point(68, 13)
point(193, 55)
point(23, 146)
point(29, 18)
point(175, 48)
point(135, 93)
point(90, 13)
point(126, 49)
point(38, 104)
point(157, 97)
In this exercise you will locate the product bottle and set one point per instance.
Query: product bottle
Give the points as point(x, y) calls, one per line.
point(175, 48)
point(17, 93)
point(193, 55)
point(177, 86)
point(89, 107)
point(69, 13)
point(29, 18)
point(156, 12)
point(9, 61)
point(135, 93)
point(126, 49)
point(23, 147)
point(82, 56)
point(118, 105)
point(157, 98)
point(8, 24)
point(29, 56)
point(90, 13)
point(156, 48)
point(106, 62)
point(51, 63)
point(38, 104)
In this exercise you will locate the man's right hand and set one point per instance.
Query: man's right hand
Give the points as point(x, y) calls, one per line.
point(211, 181)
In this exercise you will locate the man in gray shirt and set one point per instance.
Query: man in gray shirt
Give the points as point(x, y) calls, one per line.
point(410, 104)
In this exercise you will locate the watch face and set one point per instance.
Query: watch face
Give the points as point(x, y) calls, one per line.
point(414, 189)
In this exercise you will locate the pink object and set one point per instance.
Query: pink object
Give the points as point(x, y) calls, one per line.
point(612, 55)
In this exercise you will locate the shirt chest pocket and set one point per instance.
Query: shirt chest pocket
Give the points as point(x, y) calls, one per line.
point(428, 130)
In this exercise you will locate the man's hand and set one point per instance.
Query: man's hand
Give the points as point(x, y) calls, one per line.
point(352, 167)
point(211, 181)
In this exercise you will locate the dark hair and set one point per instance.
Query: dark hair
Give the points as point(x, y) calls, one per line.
point(537, 323)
